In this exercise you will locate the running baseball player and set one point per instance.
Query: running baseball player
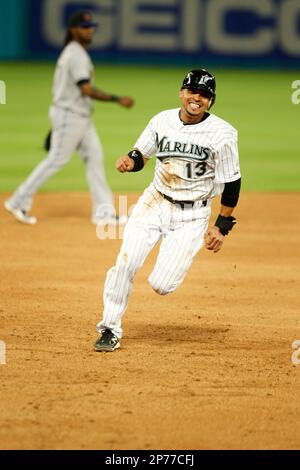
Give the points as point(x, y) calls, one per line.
point(72, 126)
point(196, 159)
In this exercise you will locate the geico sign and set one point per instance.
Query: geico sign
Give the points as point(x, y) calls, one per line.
point(183, 25)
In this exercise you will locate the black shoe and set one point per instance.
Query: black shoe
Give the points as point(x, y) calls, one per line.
point(107, 342)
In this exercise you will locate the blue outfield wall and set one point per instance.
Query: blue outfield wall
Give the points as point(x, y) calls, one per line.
point(14, 35)
point(229, 32)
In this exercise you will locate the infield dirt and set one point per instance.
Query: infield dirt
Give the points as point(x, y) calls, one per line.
point(208, 367)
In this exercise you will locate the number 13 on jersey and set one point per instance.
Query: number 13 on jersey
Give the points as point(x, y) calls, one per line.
point(195, 170)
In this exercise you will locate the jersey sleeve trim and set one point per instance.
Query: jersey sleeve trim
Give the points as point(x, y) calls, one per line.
point(83, 82)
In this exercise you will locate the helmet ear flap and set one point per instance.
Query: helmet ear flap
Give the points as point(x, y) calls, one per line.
point(211, 102)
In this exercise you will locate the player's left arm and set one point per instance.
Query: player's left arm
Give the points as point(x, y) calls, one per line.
point(215, 235)
point(227, 171)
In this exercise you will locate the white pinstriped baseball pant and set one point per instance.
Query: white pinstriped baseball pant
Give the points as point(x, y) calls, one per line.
point(70, 132)
point(153, 218)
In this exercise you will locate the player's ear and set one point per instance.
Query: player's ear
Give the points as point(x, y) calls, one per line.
point(181, 94)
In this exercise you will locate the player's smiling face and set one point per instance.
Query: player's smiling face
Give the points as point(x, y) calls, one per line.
point(194, 105)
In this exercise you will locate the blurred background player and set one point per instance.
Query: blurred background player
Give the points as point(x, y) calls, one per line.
point(72, 127)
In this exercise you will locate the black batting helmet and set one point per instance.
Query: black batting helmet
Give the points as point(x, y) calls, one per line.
point(202, 80)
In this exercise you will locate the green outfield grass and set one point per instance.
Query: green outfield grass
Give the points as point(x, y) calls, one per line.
point(257, 103)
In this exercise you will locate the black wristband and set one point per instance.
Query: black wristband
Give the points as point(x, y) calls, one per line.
point(47, 142)
point(137, 157)
point(114, 98)
point(225, 224)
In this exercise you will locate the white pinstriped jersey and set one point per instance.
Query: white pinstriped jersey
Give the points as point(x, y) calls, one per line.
point(193, 161)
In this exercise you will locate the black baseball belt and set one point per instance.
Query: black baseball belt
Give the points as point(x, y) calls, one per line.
point(183, 204)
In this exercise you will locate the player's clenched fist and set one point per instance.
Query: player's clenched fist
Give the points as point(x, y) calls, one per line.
point(124, 164)
point(214, 239)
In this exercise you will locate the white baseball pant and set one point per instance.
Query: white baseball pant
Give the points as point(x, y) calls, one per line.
point(153, 218)
point(70, 132)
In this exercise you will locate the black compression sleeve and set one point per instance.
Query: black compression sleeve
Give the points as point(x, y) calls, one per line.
point(231, 193)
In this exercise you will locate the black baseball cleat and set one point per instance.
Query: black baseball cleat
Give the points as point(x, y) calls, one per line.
point(107, 342)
